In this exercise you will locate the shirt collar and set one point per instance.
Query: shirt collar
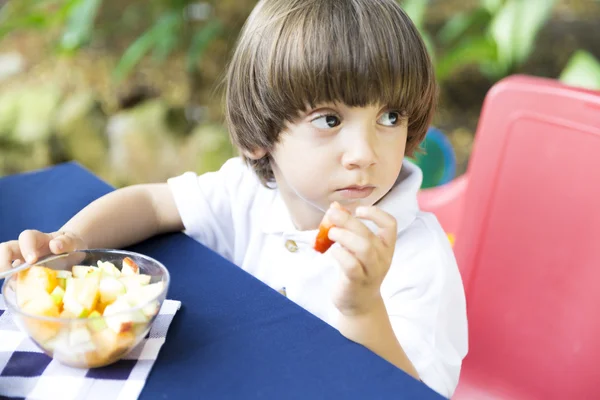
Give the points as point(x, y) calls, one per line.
point(401, 202)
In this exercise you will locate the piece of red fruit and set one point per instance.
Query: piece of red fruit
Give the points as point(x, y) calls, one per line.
point(131, 264)
point(323, 243)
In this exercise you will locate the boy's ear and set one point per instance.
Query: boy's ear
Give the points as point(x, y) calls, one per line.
point(255, 154)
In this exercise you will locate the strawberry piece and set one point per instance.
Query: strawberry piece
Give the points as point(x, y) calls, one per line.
point(323, 243)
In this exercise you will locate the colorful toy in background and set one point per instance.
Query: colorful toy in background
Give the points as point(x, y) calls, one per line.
point(438, 161)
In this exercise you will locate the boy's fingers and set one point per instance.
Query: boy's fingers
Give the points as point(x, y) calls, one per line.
point(9, 251)
point(387, 223)
point(64, 242)
point(57, 245)
point(344, 220)
point(33, 244)
point(359, 246)
point(352, 268)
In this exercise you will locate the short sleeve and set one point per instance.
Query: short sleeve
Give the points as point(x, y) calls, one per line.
point(213, 206)
point(425, 299)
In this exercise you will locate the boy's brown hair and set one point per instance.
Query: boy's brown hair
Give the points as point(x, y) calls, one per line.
point(295, 54)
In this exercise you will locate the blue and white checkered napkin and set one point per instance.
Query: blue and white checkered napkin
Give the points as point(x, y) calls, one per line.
point(27, 373)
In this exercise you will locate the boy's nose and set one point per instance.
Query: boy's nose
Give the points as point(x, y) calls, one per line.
point(359, 152)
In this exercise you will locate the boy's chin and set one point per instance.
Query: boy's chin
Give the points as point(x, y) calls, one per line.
point(352, 204)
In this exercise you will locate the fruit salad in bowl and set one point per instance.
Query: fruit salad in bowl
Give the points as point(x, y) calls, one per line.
point(87, 308)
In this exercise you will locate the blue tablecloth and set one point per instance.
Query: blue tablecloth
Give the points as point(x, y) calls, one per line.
point(233, 337)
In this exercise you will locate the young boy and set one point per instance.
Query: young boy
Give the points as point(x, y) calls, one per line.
point(324, 99)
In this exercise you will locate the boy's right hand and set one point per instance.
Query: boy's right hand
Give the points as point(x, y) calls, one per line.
point(33, 244)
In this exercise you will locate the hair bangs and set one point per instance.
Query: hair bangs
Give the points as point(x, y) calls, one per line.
point(336, 53)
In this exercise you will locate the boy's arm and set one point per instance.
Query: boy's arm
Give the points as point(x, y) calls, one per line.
point(116, 220)
point(416, 319)
point(374, 331)
point(365, 258)
point(425, 306)
point(126, 216)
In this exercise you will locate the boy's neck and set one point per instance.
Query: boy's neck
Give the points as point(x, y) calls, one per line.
point(304, 215)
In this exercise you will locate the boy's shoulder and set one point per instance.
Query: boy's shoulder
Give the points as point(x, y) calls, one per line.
point(423, 258)
point(237, 168)
point(423, 250)
point(424, 233)
point(234, 184)
point(243, 184)
point(235, 176)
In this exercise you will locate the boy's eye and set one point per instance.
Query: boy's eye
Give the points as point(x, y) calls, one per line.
point(326, 121)
point(391, 118)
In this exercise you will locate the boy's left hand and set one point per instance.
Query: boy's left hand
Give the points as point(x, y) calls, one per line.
point(365, 257)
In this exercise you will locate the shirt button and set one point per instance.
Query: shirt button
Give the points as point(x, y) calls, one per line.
point(291, 246)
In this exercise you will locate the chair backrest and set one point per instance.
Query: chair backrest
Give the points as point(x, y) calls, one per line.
point(529, 242)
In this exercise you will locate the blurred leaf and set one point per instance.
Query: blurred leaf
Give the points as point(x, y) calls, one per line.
point(134, 53)
point(460, 24)
point(61, 11)
point(515, 28)
point(171, 31)
point(429, 45)
point(582, 70)
point(166, 44)
point(494, 70)
point(33, 14)
point(201, 40)
point(65, 9)
point(80, 24)
point(168, 40)
point(475, 50)
point(491, 6)
point(33, 20)
point(454, 27)
point(143, 44)
point(502, 30)
point(415, 9)
point(534, 15)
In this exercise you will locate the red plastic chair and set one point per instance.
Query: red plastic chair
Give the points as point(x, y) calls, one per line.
point(527, 222)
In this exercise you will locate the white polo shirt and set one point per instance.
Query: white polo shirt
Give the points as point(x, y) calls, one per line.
point(232, 213)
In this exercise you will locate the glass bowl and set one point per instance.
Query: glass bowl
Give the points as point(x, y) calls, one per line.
point(87, 308)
